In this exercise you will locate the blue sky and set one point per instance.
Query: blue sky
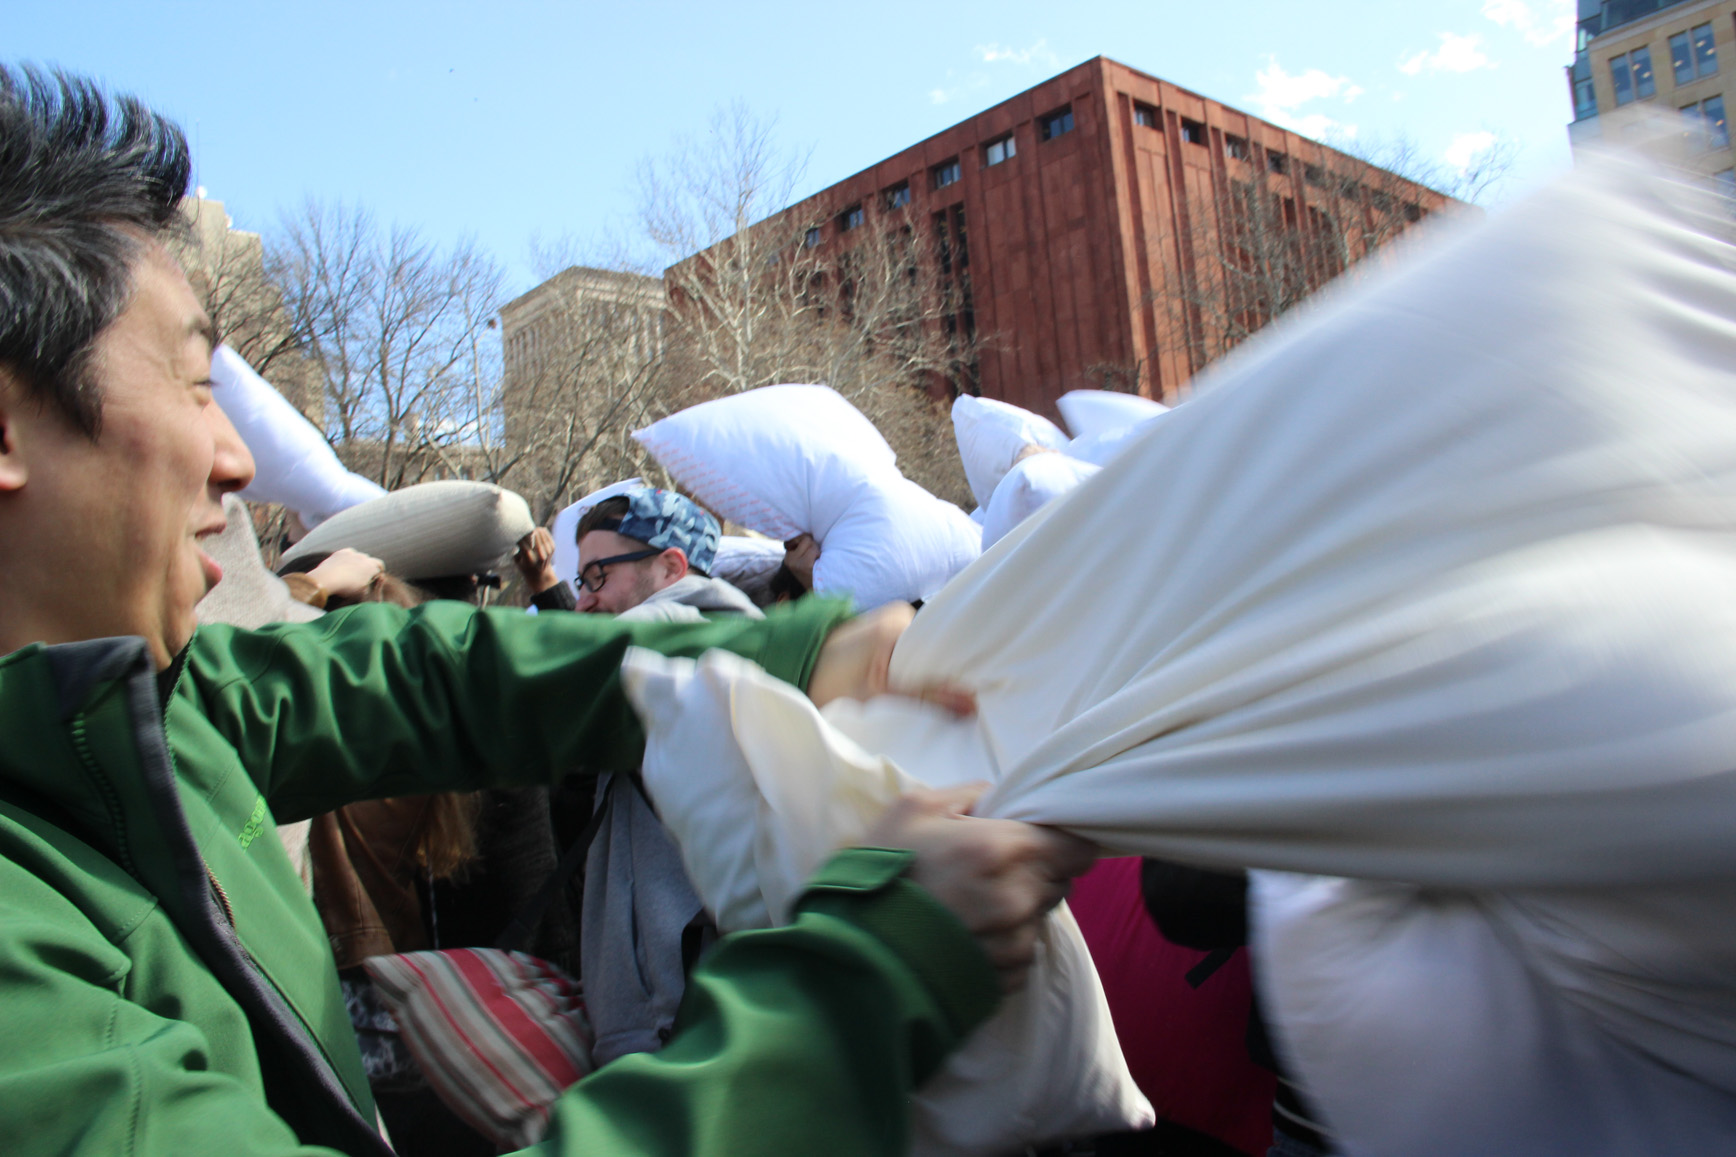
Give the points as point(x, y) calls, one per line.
point(518, 118)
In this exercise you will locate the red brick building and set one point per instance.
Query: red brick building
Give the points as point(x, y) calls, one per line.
point(1106, 227)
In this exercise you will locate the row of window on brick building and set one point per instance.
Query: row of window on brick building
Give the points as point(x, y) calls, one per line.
point(1693, 56)
point(1004, 148)
point(949, 172)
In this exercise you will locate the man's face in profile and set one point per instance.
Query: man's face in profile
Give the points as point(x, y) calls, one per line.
point(124, 516)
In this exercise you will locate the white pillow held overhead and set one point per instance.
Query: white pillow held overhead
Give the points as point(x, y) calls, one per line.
point(1036, 481)
point(991, 434)
point(430, 530)
point(782, 460)
point(792, 459)
point(1090, 412)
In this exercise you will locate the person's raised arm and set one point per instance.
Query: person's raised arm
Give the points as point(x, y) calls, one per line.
point(376, 701)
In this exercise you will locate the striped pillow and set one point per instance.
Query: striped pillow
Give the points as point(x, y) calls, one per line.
point(498, 1034)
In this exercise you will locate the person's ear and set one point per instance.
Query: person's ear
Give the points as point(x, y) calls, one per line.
point(673, 563)
point(13, 468)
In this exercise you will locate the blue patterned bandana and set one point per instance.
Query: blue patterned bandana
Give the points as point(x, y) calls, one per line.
point(663, 518)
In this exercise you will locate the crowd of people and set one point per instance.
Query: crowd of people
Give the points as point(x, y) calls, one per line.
point(224, 850)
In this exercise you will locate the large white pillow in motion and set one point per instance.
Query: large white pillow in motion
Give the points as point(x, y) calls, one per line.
point(429, 530)
point(1424, 606)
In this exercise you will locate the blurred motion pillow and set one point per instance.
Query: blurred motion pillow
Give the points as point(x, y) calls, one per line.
point(429, 530)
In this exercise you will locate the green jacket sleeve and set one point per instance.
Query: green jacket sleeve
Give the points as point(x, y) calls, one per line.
point(802, 1039)
point(377, 701)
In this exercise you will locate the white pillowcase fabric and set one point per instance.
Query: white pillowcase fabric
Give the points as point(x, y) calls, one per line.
point(1423, 606)
point(758, 790)
point(1432, 586)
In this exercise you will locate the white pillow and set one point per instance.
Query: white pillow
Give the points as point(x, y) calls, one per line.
point(787, 460)
point(1100, 448)
point(293, 463)
point(759, 789)
point(565, 523)
point(782, 460)
point(1091, 412)
point(990, 435)
point(896, 543)
point(429, 530)
point(1028, 487)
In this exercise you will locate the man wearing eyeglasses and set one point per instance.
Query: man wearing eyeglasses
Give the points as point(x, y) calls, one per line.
point(643, 556)
point(647, 551)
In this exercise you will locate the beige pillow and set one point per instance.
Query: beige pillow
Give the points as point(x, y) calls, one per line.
point(429, 530)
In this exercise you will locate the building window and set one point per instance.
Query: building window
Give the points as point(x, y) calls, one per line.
point(1633, 77)
point(1000, 150)
point(1314, 175)
point(1584, 99)
point(1277, 162)
point(1144, 114)
point(1056, 123)
point(1193, 132)
point(897, 196)
point(1711, 110)
point(1412, 213)
point(811, 239)
point(945, 173)
point(1236, 147)
point(1693, 55)
point(1681, 58)
point(850, 218)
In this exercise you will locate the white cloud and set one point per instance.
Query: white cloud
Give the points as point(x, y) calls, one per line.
point(1456, 54)
point(1465, 147)
point(1279, 97)
point(1555, 23)
point(1039, 54)
point(957, 88)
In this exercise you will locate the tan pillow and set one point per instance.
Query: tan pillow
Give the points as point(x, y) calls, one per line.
point(428, 530)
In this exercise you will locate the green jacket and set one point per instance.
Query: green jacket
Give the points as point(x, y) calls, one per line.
point(165, 984)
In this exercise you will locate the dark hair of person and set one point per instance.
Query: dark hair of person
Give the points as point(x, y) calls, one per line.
point(784, 586)
point(84, 180)
point(609, 510)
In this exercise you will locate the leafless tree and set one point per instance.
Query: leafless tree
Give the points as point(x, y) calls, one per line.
point(227, 269)
point(397, 333)
point(757, 299)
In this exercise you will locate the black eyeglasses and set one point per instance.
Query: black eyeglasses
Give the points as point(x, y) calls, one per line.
point(594, 576)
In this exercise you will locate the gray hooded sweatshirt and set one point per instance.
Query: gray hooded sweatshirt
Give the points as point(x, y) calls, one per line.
point(638, 901)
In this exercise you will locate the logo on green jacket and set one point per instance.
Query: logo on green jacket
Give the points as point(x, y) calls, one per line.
point(255, 824)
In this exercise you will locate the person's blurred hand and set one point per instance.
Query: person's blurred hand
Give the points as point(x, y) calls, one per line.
point(347, 574)
point(999, 877)
point(535, 559)
point(856, 659)
point(800, 555)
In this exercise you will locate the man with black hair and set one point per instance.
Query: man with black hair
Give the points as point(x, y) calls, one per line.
point(165, 986)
